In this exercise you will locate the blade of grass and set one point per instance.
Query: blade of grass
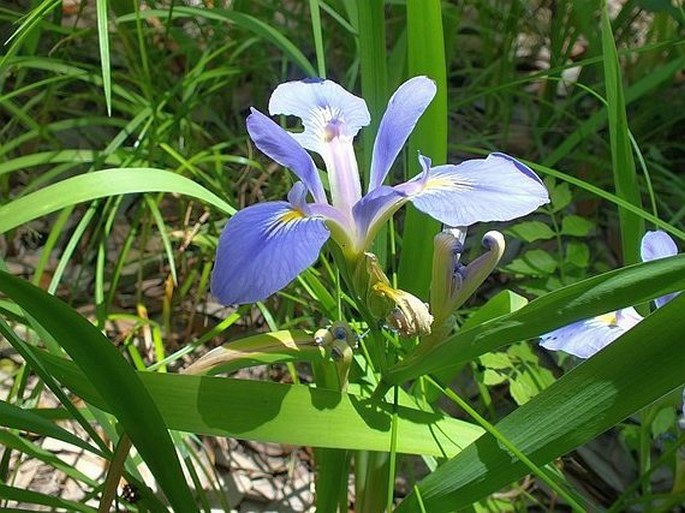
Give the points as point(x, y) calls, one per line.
point(14, 417)
point(100, 184)
point(32, 19)
point(15, 442)
point(161, 226)
point(625, 176)
point(103, 39)
point(28, 353)
point(31, 497)
point(55, 157)
point(225, 15)
point(318, 37)
point(493, 431)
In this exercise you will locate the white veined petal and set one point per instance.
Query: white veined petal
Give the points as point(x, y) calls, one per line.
point(587, 337)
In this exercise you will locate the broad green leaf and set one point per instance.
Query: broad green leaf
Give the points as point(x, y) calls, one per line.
point(663, 421)
point(576, 226)
point(115, 381)
point(560, 196)
point(373, 64)
point(502, 303)
point(495, 361)
point(492, 377)
point(578, 254)
point(289, 414)
point(530, 231)
point(100, 184)
point(587, 401)
point(607, 292)
point(536, 262)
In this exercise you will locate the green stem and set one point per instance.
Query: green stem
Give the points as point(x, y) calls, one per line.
point(333, 464)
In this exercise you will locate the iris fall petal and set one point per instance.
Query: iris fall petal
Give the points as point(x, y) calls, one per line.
point(263, 248)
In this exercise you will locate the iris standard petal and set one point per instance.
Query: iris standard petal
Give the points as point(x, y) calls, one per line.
point(401, 115)
point(263, 248)
point(498, 188)
point(278, 144)
point(655, 245)
point(326, 109)
point(585, 338)
point(373, 210)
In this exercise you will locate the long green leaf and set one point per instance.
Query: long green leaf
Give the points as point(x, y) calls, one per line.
point(13, 441)
point(103, 38)
point(318, 37)
point(30, 21)
point(264, 348)
point(607, 292)
point(426, 56)
point(29, 496)
point(265, 411)
point(113, 378)
point(17, 418)
point(584, 403)
point(100, 184)
point(56, 157)
point(374, 77)
point(625, 177)
point(373, 64)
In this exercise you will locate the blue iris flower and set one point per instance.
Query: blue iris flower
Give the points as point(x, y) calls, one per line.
point(585, 338)
point(265, 246)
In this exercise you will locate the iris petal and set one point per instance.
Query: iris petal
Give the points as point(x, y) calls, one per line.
point(263, 248)
point(657, 245)
point(276, 143)
point(322, 106)
point(374, 209)
point(498, 188)
point(585, 338)
point(403, 112)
